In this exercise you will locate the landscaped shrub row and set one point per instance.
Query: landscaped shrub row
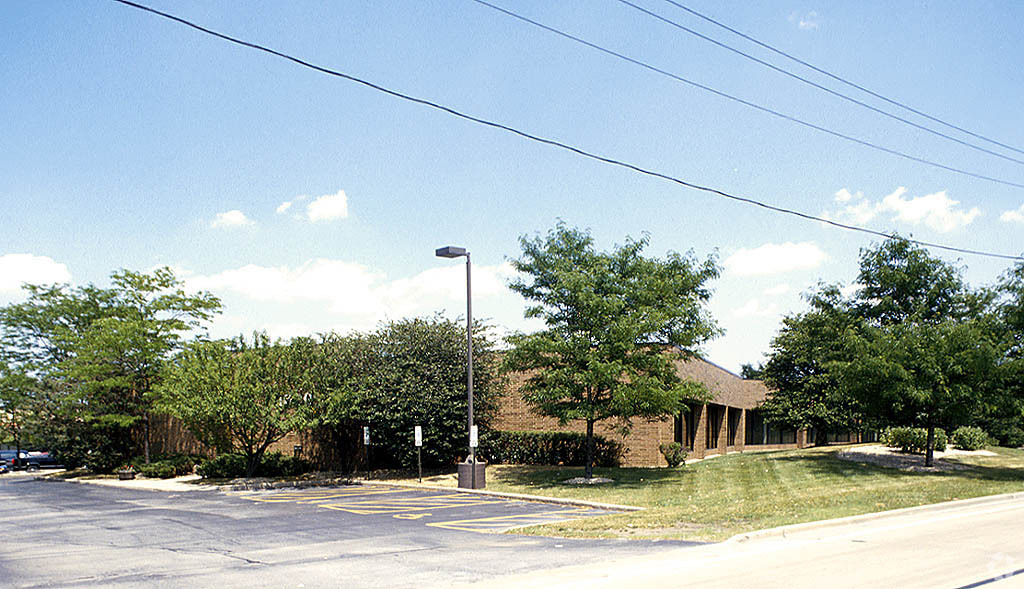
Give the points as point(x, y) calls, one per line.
point(274, 464)
point(566, 448)
point(166, 466)
point(912, 439)
point(969, 438)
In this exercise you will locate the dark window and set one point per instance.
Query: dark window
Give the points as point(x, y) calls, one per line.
point(734, 424)
point(755, 434)
point(714, 425)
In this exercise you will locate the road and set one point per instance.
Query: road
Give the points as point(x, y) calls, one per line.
point(57, 534)
point(960, 544)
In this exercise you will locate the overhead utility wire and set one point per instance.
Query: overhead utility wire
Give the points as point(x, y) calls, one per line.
point(552, 142)
point(814, 84)
point(841, 79)
point(745, 102)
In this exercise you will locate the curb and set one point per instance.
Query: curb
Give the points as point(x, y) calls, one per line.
point(828, 523)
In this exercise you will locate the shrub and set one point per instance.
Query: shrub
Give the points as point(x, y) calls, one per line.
point(912, 439)
point(166, 466)
point(674, 453)
point(566, 448)
point(274, 464)
point(969, 438)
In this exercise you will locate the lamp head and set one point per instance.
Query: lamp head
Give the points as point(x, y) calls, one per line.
point(451, 252)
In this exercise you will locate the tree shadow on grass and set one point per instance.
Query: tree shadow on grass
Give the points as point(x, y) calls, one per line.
point(830, 464)
point(554, 477)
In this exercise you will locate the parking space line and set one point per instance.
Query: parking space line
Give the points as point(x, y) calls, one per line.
point(501, 523)
point(407, 504)
point(321, 496)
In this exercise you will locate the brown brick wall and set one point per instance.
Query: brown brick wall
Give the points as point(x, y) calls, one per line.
point(728, 391)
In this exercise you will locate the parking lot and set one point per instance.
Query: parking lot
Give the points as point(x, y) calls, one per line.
point(60, 534)
point(448, 510)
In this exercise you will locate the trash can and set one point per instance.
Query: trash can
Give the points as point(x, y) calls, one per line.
point(466, 475)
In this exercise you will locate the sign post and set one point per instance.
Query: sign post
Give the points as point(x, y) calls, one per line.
point(366, 443)
point(473, 439)
point(418, 436)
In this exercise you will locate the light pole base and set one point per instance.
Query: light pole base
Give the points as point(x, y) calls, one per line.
point(472, 478)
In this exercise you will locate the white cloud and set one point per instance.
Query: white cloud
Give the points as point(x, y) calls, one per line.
point(844, 195)
point(283, 207)
point(777, 290)
point(233, 218)
point(806, 22)
point(328, 207)
point(935, 210)
point(772, 258)
point(1016, 216)
point(340, 294)
point(18, 269)
point(753, 308)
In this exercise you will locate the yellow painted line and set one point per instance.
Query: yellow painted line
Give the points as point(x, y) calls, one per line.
point(319, 496)
point(407, 504)
point(500, 522)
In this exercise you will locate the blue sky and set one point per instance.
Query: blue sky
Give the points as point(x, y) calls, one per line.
point(127, 141)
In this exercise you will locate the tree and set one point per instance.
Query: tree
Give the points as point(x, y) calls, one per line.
point(925, 357)
point(614, 324)
point(243, 397)
point(118, 357)
point(751, 372)
point(90, 355)
point(804, 391)
point(407, 373)
point(926, 375)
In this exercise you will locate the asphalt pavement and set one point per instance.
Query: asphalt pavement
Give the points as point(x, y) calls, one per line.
point(57, 534)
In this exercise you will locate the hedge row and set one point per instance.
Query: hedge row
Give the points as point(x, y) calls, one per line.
point(274, 464)
point(553, 448)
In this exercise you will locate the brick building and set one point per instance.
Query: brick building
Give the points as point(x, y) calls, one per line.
point(729, 422)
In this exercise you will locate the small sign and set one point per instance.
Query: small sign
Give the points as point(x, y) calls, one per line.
point(366, 435)
point(419, 436)
point(472, 437)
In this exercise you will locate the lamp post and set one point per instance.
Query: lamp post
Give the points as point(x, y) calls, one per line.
point(457, 252)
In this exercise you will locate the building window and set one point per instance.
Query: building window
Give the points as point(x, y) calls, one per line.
point(714, 425)
point(734, 424)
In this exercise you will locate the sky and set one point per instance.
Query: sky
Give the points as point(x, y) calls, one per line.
point(309, 203)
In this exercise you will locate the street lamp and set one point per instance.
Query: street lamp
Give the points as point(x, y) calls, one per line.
point(457, 252)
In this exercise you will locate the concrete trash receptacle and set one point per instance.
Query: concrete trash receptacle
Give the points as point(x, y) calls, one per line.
point(466, 478)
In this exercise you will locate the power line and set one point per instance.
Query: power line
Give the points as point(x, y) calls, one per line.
point(841, 79)
point(814, 84)
point(551, 142)
point(745, 102)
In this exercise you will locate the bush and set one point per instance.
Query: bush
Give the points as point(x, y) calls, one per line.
point(912, 439)
point(554, 448)
point(969, 438)
point(674, 453)
point(274, 464)
point(166, 466)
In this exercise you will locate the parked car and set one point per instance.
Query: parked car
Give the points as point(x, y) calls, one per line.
point(28, 461)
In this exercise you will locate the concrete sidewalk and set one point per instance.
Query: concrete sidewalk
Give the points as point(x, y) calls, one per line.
point(954, 544)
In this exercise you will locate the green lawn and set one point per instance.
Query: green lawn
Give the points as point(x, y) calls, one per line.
point(717, 498)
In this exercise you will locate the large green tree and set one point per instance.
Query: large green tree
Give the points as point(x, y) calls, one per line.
point(91, 354)
point(913, 346)
point(804, 390)
point(241, 396)
point(407, 373)
point(614, 322)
